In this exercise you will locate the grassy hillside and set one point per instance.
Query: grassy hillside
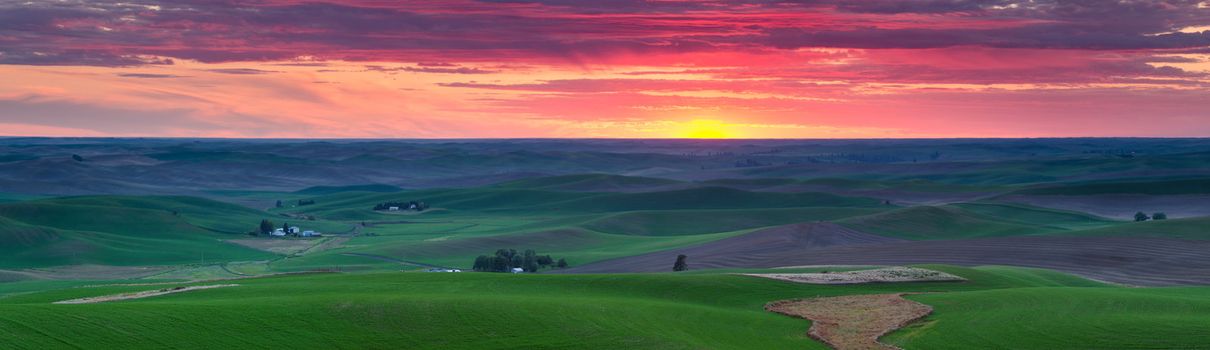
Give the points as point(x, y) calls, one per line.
point(972, 220)
point(1185, 228)
point(710, 198)
point(589, 183)
point(1062, 318)
point(1053, 218)
point(454, 311)
point(357, 206)
point(18, 236)
point(122, 230)
point(689, 222)
point(938, 222)
point(458, 249)
point(203, 213)
point(1154, 187)
point(323, 190)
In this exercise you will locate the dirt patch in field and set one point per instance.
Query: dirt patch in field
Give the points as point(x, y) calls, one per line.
point(277, 246)
point(853, 321)
point(86, 272)
point(139, 295)
point(882, 275)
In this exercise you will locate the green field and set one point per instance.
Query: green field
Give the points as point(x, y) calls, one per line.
point(373, 295)
point(127, 230)
point(1152, 187)
point(653, 311)
point(973, 220)
point(1068, 318)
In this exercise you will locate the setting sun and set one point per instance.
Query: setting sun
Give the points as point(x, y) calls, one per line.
point(706, 129)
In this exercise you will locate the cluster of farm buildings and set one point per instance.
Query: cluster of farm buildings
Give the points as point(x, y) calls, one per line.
point(294, 231)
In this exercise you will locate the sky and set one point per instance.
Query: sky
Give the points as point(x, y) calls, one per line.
point(605, 68)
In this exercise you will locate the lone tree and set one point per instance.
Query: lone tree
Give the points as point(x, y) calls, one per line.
point(266, 227)
point(77, 157)
point(1139, 217)
point(278, 203)
point(1159, 216)
point(680, 264)
point(562, 264)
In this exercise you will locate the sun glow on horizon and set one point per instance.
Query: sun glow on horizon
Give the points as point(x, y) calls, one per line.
point(706, 129)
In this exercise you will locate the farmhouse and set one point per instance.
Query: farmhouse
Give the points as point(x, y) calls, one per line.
point(518, 270)
point(278, 233)
point(294, 230)
point(393, 209)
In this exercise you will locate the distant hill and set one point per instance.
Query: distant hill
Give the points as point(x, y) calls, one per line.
point(124, 230)
point(591, 183)
point(938, 222)
point(188, 166)
point(1150, 187)
point(325, 190)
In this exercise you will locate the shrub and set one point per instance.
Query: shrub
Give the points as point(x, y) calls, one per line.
point(680, 264)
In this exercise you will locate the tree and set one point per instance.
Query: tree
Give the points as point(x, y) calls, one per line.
point(562, 264)
point(266, 226)
point(1139, 216)
point(279, 203)
point(545, 261)
point(1159, 216)
point(482, 264)
point(680, 264)
point(529, 261)
point(505, 253)
point(77, 157)
point(285, 226)
point(499, 264)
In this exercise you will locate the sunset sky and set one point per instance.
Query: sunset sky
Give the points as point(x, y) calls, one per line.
point(624, 68)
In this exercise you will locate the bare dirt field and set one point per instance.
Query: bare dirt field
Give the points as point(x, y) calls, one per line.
point(1120, 206)
point(853, 321)
point(1125, 260)
point(86, 272)
point(880, 275)
point(278, 246)
point(139, 295)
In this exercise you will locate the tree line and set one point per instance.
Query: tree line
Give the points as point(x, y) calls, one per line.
point(412, 205)
point(301, 202)
point(506, 259)
point(1141, 216)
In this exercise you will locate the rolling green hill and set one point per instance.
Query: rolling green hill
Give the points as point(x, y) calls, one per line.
point(124, 230)
point(1062, 318)
point(708, 198)
point(690, 222)
point(325, 190)
point(589, 183)
point(357, 206)
point(479, 310)
point(1184, 228)
point(1053, 218)
point(938, 222)
point(972, 220)
point(1152, 187)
